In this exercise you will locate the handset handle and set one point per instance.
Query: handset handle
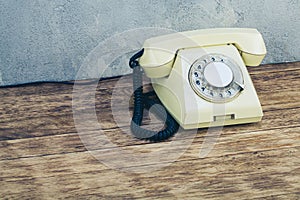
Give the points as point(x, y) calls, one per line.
point(160, 52)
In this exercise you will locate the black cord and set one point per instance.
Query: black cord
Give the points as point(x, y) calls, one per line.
point(142, 101)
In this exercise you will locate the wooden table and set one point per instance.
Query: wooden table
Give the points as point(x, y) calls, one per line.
point(43, 156)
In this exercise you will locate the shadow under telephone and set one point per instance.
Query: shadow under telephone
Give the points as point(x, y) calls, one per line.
point(201, 79)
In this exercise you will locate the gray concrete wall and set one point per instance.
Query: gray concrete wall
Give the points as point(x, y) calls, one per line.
point(49, 39)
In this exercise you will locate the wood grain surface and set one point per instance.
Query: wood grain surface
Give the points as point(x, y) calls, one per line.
point(44, 154)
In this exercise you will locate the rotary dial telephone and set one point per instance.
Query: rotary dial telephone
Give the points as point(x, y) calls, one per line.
point(200, 77)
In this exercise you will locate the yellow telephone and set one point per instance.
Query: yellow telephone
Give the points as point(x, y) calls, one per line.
point(195, 73)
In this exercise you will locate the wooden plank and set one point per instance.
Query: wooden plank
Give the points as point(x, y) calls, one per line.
point(276, 81)
point(34, 123)
point(61, 109)
point(124, 157)
point(270, 68)
point(66, 143)
point(78, 175)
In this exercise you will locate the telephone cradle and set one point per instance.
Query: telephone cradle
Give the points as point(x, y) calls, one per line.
point(200, 77)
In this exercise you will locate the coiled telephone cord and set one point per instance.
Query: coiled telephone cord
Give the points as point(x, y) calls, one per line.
point(143, 100)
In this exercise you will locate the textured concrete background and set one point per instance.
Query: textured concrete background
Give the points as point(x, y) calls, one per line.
point(49, 39)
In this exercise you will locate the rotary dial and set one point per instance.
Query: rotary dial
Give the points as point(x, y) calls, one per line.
point(216, 78)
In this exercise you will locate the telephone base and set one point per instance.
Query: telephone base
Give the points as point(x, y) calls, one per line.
point(192, 111)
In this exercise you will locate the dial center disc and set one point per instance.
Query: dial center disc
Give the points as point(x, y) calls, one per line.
point(218, 74)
